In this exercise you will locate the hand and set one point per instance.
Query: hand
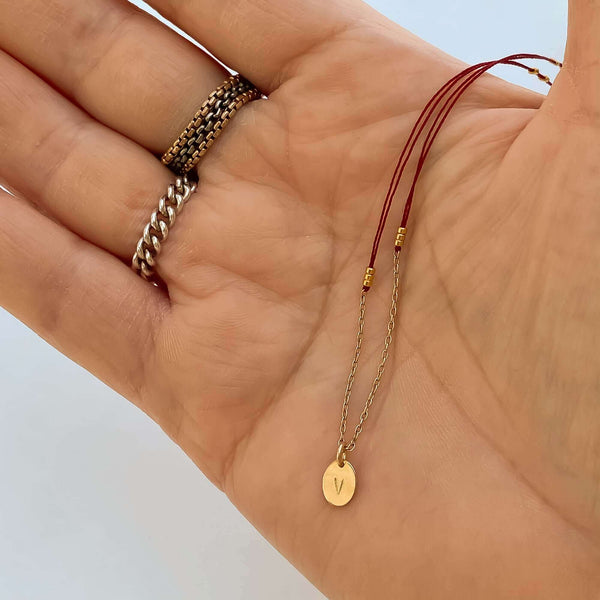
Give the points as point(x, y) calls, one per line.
point(478, 468)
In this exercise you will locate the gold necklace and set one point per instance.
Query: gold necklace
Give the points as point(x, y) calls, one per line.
point(339, 479)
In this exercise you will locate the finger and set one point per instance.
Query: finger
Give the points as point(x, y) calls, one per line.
point(582, 57)
point(94, 181)
point(79, 298)
point(123, 66)
point(261, 38)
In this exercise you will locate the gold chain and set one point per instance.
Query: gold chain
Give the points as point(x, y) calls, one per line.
point(384, 356)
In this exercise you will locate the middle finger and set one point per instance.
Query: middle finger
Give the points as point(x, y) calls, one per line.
point(120, 64)
point(98, 183)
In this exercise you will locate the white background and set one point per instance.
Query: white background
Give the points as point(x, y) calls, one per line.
point(95, 501)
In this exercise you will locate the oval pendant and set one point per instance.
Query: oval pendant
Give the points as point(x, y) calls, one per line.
point(339, 483)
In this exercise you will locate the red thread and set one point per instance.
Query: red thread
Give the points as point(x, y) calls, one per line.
point(471, 74)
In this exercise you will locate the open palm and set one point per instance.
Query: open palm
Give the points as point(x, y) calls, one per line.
point(478, 469)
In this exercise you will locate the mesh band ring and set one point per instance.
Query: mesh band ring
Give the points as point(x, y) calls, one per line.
point(208, 123)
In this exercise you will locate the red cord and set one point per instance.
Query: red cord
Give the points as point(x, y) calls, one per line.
point(410, 144)
point(472, 74)
point(439, 121)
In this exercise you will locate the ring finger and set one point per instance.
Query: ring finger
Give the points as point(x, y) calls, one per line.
point(95, 181)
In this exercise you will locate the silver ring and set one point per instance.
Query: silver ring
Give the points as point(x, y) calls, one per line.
point(157, 229)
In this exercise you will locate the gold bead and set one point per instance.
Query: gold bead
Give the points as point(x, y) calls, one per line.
point(368, 280)
point(400, 236)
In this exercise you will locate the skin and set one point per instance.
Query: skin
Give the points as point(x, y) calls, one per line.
point(479, 465)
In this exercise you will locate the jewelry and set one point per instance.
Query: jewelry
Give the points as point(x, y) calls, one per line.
point(340, 472)
point(157, 229)
point(208, 123)
point(339, 479)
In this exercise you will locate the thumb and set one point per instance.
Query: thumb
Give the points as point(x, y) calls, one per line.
point(582, 56)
